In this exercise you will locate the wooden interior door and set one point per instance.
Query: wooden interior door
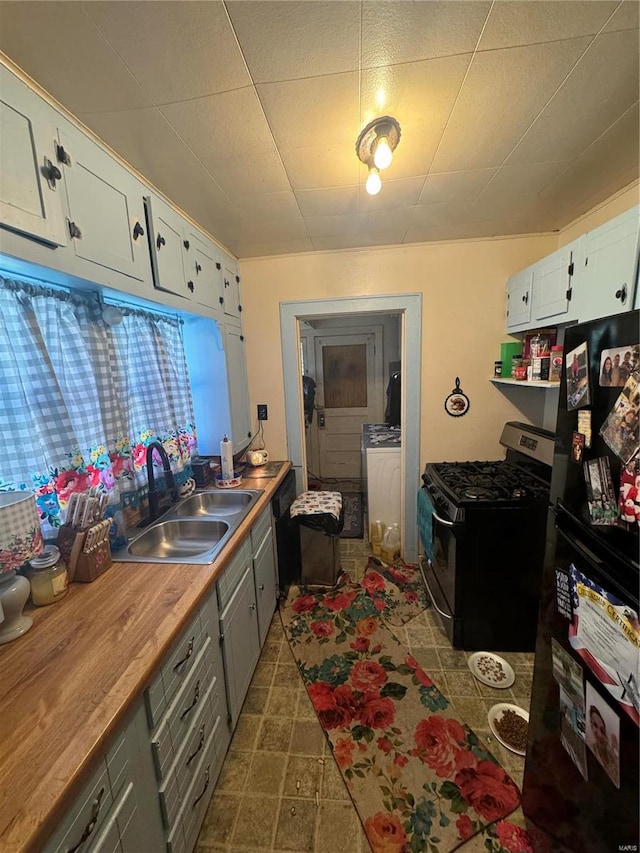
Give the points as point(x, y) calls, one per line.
point(348, 394)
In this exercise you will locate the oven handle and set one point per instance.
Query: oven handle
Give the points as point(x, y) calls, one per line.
point(442, 520)
point(426, 583)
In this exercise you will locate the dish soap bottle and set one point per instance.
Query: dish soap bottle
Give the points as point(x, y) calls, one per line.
point(391, 544)
point(375, 537)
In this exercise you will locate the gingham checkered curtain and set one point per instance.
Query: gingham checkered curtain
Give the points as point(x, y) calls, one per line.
point(80, 400)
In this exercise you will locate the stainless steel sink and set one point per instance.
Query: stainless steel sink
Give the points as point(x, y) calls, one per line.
point(214, 503)
point(193, 531)
point(179, 539)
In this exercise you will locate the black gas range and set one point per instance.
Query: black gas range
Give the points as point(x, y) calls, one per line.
point(483, 527)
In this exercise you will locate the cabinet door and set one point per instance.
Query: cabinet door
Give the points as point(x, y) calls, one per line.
point(519, 289)
point(106, 212)
point(264, 569)
point(30, 191)
point(240, 642)
point(231, 288)
point(238, 386)
point(166, 241)
point(608, 277)
point(203, 270)
point(552, 293)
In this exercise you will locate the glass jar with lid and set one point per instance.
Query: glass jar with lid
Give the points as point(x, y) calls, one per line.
point(48, 576)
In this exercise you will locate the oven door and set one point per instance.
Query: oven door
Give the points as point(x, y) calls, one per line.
point(439, 573)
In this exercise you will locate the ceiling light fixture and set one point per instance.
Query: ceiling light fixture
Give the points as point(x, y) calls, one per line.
point(375, 146)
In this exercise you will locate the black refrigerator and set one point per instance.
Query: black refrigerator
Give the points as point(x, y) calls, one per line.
point(581, 772)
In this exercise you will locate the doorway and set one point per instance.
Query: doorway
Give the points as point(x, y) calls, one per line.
point(301, 315)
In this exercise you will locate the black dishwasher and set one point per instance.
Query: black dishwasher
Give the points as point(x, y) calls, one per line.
point(287, 533)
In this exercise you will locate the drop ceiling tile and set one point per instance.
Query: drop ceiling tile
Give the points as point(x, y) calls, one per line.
point(315, 125)
point(143, 137)
point(197, 53)
point(402, 193)
point(254, 207)
point(455, 186)
point(246, 250)
point(513, 23)
point(61, 48)
point(626, 17)
point(604, 168)
point(326, 202)
point(420, 95)
point(330, 226)
point(588, 102)
point(446, 213)
point(516, 191)
point(273, 229)
point(394, 33)
point(354, 241)
point(228, 132)
point(293, 40)
point(502, 94)
point(474, 231)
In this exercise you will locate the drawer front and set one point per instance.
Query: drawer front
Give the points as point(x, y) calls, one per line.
point(118, 766)
point(167, 741)
point(87, 817)
point(181, 774)
point(175, 671)
point(199, 794)
point(112, 838)
point(260, 529)
point(233, 573)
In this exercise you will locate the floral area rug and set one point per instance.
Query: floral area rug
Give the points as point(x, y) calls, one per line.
point(419, 777)
point(397, 590)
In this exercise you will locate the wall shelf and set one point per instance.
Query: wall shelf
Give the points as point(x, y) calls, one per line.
point(539, 384)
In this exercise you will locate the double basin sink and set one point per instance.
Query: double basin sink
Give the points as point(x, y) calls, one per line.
point(194, 530)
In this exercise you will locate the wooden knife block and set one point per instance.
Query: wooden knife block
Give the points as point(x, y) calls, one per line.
point(82, 567)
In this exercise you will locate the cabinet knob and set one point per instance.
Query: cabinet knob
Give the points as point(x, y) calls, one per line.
point(240, 308)
point(138, 231)
point(198, 268)
point(221, 300)
point(191, 286)
point(621, 294)
point(218, 265)
point(261, 587)
point(160, 241)
point(51, 173)
point(186, 244)
point(74, 231)
point(525, 298)
point(252, 607)
point(238, 279)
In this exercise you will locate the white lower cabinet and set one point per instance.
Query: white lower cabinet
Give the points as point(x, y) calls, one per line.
point(117, 809)
point(187, 715)
point(264, 571)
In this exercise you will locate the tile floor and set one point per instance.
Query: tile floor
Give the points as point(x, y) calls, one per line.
point(280, 791)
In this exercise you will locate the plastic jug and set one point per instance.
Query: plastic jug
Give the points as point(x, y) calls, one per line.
point(376, 532)
point(391, 544)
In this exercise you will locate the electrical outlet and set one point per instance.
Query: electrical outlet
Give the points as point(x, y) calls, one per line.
point(262, 412)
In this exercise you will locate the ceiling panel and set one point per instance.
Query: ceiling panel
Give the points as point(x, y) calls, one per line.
point(587, 104)
point(513, 23)
point(289, 41)
point(60, 47)
point(503, 93)
point(226, 132)
point(395, 33)
point(516, 116)
point(199, 54)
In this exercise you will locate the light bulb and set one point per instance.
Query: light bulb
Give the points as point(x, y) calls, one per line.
point(374, 182)
point(383, 154)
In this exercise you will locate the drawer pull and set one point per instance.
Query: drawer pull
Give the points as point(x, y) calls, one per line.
point(196, 696)
point(200, 745)
point(95, 811)
point(202, 792)
point(186, 657)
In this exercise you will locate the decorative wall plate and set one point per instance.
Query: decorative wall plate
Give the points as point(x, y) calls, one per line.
point(457, 403)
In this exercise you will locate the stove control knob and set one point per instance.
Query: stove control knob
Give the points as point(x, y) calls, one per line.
point(519, 493)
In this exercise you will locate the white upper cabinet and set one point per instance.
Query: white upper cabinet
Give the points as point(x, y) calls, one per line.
point(238, 386)
point(231, 287)
point(203, 269)
point(166, 241)
point(608, 275)
point(31, 181)
point(519, 300)
point(552, 286)
point(106, 212)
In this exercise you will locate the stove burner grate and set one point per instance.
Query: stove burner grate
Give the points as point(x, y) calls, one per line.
point(477, 493)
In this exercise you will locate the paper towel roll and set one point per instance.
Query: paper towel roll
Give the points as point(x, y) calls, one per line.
point(226, 459)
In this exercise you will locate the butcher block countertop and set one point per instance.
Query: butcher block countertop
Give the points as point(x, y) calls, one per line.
point(67, 684)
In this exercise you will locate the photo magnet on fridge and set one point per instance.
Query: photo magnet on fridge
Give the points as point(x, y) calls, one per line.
point(601, 497)
point(584, 426)
point(621, 429)
point(617, 365)
point(578, 389)
point(572, 730)
point(603, 734)
point(577, 447)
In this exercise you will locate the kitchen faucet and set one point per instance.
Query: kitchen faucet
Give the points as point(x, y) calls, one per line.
point(154, 505)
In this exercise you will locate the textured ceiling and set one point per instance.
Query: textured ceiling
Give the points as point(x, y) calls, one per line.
point(516, 116)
